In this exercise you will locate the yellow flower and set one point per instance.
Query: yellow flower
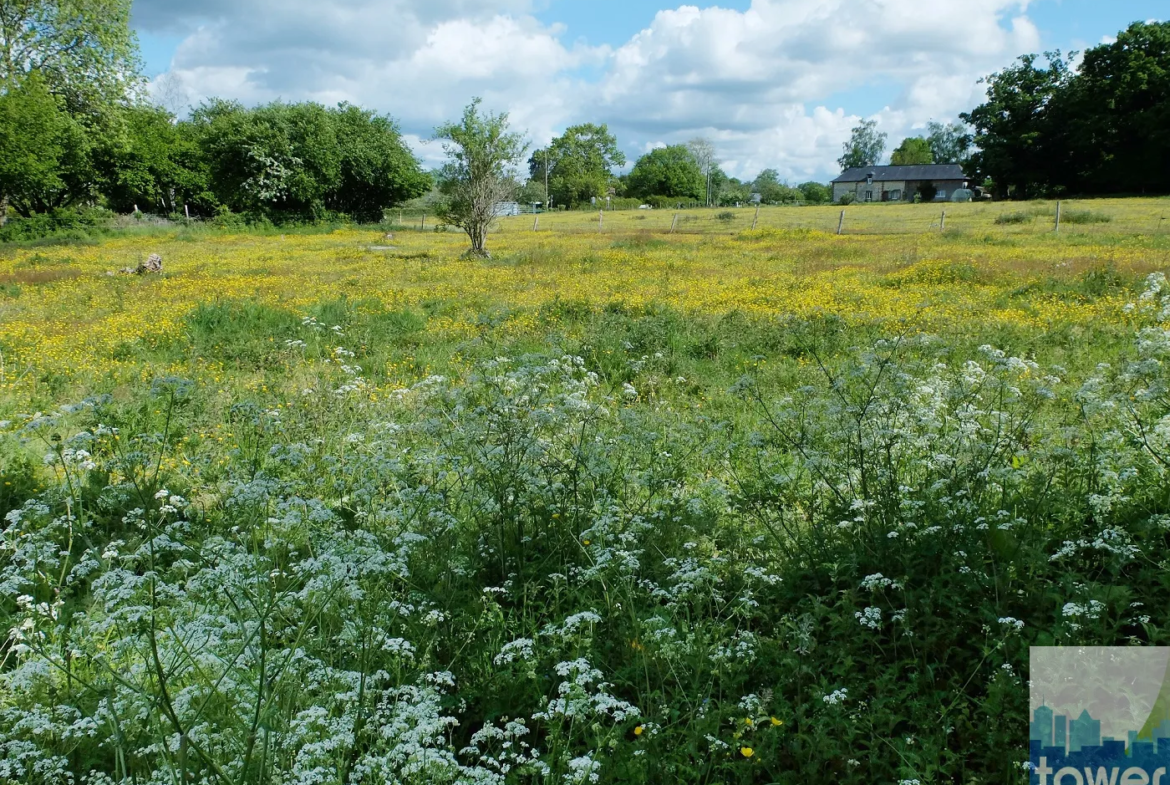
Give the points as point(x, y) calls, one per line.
point(638, 730)
point(585, 541)
point(748, 721)
point(747, 752)
point(776, 722)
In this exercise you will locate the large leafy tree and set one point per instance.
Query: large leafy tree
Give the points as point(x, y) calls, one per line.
point(772, 189)
point(580, 164)
point(913, 151)
point(1114, 119)
point(482, 156)
point(83, 50)
point(1014, 127)
point(865, 146)
point(667, 171)
point(377, 168)
point(280, 160)
point(949, 143)
point(45, 161)
point(816, 193)
point(151, 162)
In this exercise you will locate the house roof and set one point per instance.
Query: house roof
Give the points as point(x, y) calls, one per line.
point(887, 173)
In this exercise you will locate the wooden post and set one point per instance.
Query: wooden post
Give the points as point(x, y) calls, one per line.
point(187, 210)
point(674, 223)
point(757, 218)
point(423, 226)
point(1058, 217)
point(841, 223)
point(942, 224)
point(135, 209)
point(536, 224)
point(401, 218)
point(600, 220)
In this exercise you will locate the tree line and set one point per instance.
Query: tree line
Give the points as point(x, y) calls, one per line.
point(76, 130)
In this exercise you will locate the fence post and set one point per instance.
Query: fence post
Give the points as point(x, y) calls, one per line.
point(536, 223)
point(423, 224)
point(841, 223)
point(1058, 217)
point(942, 225)
point(757, 217)
point(187, 210)
point(673, 223)
point(600, 220)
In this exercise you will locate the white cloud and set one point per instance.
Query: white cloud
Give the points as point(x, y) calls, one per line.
point(761, 82)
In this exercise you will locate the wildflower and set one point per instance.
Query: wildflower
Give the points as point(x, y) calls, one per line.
point(639, 730)
point(777, 723)
point(747, 752)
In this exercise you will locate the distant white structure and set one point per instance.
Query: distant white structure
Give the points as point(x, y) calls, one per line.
point(506, 209)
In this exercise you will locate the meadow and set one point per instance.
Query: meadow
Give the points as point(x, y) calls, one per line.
point(623, 503)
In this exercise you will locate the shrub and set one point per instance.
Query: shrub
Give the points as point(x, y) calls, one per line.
point(847, 198)
point(1018, 217)
point(726, 216)
point(76, 222)
point(1084, 217)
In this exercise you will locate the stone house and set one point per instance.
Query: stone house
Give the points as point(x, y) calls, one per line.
point(898, 183)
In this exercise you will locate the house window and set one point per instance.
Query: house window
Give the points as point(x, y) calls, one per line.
point(895, 195)
point(941, 194)
point(869, 196)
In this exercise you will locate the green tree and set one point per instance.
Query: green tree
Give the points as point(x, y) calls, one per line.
point(482, 155)
point(1114, 117)
point(580, 164)
point(151, 162)
point(667, 171)
point(703, 151)
point(1014, 127)
point(950, 143)
point(45, 161)
point(83, 50)
point(773, 190)
point(815, 193)
point(913, 151)
point(865, 146)
point(378, 170)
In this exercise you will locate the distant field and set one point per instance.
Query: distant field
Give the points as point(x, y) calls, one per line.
point(615, 505)
point(65, 323)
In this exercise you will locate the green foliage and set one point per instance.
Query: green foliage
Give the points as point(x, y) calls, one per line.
point(378, 170)
point(45, 159)
point(295, 162)
point(669, 172)
point(773, 190)
point(949, 144)
point(1019, 217)
point(816, 193)
point(865, 146)
point(1084, 217)
point(151, 162)
point(1047, 129)
point(912, 152)
point(82, 50)
point(482, 154)
point(93, 221)
point(580, 163)
point(547, 567)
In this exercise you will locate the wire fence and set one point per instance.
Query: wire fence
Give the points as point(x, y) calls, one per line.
point(1138, 216)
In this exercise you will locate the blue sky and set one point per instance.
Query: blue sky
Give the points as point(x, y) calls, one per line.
point(774, 83)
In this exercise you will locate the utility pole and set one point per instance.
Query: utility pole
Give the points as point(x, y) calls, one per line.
point(546, 178)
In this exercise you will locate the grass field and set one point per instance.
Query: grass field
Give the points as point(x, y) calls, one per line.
point(619, 504)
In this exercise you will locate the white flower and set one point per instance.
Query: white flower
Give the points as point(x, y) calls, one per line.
point(871, 617)
point(836, 697)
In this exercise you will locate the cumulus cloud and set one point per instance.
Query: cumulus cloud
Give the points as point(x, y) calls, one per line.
point(759, 82)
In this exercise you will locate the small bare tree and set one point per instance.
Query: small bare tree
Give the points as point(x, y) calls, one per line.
point(482, 156)
point(703, 151)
